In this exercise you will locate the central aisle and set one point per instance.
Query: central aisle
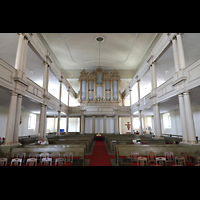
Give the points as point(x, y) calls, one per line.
point(100, 155)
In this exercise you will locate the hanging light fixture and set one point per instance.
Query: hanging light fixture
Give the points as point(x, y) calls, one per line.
point(99, 39)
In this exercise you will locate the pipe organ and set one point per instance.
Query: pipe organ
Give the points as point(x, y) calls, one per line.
point(99, 86)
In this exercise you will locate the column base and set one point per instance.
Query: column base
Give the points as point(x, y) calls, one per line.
point(184, 142)
point(193, 142)
point(188, 142)
point(9, 144)
point(17, 143)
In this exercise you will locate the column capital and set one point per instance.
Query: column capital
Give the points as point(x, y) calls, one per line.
point(153, 63)
point(25, 38)
point(42, 105)
point(174, 38)
point(180, 95)
point(45, 63)
point(13, 93)
point(186, 93)
point(19, 96)
point(20, 33)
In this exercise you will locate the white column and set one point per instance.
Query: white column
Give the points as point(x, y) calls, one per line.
point(183, 118)
point(46, 76)
point(153, 76)
point(140, 118)
point(105, 124)
point(45, 121)
point(58, 124)
point(131, 122)
point(123, 101)
point(17, 119)
point(138, 90)
point(18, 59)
point(175, 52)
point(93, 124)
point(80, 90)
point(24, 55)
point(60, 92)
point(157, 124)
point(11, 119)
point(116, 124)
point(41, 123)
point(180, 52)
point(67, 124)
point(130, 97)
point(82, 124)
point(189, 119)
point(68, 97)
point(59, 112)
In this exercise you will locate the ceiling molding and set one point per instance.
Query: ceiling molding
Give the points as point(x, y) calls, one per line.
point(105, 61)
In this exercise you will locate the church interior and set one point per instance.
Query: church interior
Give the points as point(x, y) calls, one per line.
point(99, 99)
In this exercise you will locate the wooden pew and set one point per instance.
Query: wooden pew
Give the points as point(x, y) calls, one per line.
point(148, 142)
point(78, 150)
point(125, 139)
point(70, 142)
point(72, 139)
point(125, 150)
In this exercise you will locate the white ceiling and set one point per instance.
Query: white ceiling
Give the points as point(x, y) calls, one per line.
point(77, 51)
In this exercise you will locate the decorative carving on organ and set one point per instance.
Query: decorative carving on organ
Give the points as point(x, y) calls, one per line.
point(99, 86)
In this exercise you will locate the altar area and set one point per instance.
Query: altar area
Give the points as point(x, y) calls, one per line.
point(99, 137)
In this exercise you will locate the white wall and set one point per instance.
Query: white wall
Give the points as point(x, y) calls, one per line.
point(196, 116)
point(73, 101)
point(110, 124)
point(127, 101)
point(176, 123)
point(74, 124)
point(23, 127)
point(88, 124)
point(99, 125)
point(122, 122)
point(3, 120)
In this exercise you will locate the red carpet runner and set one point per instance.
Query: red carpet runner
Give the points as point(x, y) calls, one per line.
point(100, 155)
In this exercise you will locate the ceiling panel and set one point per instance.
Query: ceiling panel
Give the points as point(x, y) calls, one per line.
point(77, 51)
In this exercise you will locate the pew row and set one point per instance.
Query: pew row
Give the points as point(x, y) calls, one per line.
point(122, 151)
point(77, 150)
point(86, 143)
point(123, 140)
point(72, 139)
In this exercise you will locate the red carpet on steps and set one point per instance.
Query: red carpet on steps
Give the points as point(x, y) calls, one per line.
point(100, 155)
